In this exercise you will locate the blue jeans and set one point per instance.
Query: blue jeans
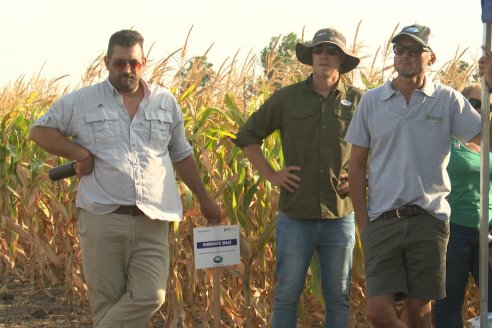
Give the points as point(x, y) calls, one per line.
point(462, 258)
point(296, 242)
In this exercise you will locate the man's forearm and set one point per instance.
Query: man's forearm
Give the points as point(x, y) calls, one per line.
point(188, 172)
point(254, 154)
point(55, 143)
point(357, 184)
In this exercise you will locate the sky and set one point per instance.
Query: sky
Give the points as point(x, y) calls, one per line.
point(62, 37)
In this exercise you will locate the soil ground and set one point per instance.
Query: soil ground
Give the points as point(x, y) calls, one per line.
point(23, 305)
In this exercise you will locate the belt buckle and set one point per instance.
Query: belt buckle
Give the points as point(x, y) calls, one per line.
point(398, 211)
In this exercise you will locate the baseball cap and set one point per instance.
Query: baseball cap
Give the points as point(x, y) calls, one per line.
point(417, 32)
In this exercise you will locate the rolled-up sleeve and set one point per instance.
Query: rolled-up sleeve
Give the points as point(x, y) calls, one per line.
point(260, 124)
point(58, 116)
point(179, 147)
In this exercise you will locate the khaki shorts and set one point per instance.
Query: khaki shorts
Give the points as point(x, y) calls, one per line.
point(406, 257)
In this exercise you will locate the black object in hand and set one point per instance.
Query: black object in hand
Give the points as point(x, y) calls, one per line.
point(62, 171)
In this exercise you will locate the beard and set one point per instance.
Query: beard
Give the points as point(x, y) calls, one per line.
point(406, 73)
point(127, 82)
point(407, 70)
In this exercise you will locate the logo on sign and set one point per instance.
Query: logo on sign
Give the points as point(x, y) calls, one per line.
point(218, 259)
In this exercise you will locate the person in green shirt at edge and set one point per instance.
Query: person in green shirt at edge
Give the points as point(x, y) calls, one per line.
point(462, 256)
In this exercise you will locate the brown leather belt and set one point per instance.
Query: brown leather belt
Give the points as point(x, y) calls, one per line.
point(132, 210)
point(402, 212)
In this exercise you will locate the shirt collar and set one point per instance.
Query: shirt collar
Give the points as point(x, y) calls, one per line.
point(115, 92)
point(428, 88)
point(340, 85)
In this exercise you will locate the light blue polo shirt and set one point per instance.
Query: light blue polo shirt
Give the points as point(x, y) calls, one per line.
point(409, 145)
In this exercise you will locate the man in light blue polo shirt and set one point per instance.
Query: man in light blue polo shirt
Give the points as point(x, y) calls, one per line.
point(400, 143)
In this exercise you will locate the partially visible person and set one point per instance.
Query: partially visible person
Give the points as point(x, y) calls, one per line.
point(314, 213)
point(126, 137)
point(485, 66)
point(400, 138)
point(463, 251)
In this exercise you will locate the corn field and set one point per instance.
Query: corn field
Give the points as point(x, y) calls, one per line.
point(38, 228)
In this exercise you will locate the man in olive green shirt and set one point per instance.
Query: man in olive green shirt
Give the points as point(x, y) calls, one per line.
point(315, 214)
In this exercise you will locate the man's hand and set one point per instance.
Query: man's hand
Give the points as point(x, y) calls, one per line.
point(54, 142)
point(485, 65)
point(84, 165)
point(210, 210)
point(286, 179)
point(188, 172)
point(343, 185)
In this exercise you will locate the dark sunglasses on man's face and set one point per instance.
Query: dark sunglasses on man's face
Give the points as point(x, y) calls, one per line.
point(476, 103)
point(120, 64)
point(413, 51)
point(330, 50)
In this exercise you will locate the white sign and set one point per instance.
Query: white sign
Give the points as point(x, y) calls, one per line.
point(216, 246)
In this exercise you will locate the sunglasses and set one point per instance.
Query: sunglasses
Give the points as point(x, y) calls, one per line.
point(120, 64)
point(413, 51)
point(330, 50)
point(476, 103)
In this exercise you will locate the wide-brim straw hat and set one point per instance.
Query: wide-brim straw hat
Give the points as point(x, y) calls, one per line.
point(327, 35)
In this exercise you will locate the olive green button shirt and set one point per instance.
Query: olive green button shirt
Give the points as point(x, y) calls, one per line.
point(312, 130)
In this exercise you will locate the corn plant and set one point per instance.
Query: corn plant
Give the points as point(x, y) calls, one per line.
point(38, 226)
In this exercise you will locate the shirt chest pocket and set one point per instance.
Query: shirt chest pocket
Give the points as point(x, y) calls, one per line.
point(344, 113)
point(301, 125)
point(301, 119)
point(105, 128)
point(160, 128)
point(343, 116)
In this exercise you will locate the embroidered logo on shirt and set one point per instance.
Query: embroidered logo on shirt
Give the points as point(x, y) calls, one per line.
point(435, 119)
point(345, 102)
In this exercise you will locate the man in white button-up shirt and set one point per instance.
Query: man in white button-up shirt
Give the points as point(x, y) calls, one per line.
point(125, 137)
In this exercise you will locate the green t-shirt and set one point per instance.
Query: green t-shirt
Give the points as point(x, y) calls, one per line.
point(464, 198)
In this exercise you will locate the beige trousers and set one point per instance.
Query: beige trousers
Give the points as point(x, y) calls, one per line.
point(126, 266)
